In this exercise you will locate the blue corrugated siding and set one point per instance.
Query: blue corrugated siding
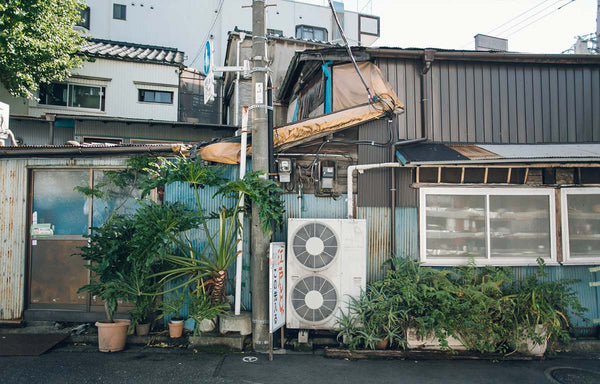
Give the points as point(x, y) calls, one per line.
point(407, 230)
point(183, 193)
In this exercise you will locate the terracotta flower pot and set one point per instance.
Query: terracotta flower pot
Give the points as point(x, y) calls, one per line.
point(382, 344)
point(142, 329)
point(112, 336)
point(175, 328)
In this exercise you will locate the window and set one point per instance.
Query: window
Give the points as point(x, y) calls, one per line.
point(491, 226)
point(85, 18)
point(311, 33)
point(73, 95)
point(119, 12)
point(581, 225)
point(149, 96)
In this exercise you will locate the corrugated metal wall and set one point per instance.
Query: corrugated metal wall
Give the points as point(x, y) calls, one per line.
point(498, 102)
point(190, 133)
point(374, 185)
point(404, 77)
point(13, 224)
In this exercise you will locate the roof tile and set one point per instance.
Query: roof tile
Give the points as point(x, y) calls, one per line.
point(132, 52)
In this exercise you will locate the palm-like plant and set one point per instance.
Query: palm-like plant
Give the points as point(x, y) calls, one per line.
point(208, 266)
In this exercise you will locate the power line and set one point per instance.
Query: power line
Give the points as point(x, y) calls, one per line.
point(218, 12)
point(516, 17)
point(531, 16)
point(540, 18)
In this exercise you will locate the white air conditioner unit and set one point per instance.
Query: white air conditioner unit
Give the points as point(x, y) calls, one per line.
point(326, 265)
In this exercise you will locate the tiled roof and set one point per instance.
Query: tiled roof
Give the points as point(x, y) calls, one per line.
point(117, 50)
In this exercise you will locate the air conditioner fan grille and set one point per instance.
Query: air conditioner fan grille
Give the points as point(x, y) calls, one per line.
point(315, 245)
point(314, 298)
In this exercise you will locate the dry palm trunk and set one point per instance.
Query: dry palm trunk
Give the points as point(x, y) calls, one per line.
point(218, 290)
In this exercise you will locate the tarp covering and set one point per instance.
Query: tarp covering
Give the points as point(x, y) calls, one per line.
point(229, 153)
point(348, 89)
point(350, 108)
point(225, 153)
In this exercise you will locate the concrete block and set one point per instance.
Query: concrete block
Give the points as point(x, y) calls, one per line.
point(232, 323)
point(233, 342)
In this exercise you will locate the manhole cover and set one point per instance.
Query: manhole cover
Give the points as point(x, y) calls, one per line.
point(570, 375)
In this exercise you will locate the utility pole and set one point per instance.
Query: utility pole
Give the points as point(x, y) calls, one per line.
point(260, 162)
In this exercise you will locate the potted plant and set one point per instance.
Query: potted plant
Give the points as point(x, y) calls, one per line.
point(173, 305)
point(203, 311)
point(107, 252)
point(143, 307)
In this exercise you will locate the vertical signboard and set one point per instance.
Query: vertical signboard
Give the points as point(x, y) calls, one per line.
point(276, 286)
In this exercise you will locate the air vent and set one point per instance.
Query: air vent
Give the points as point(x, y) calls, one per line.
point(314, 298)
point(315, 245)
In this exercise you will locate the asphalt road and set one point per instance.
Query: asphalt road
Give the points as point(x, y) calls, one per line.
point(72, 364)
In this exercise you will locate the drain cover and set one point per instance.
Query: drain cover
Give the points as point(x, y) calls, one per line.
point(571, 375)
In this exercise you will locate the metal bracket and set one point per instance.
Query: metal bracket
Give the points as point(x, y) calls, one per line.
point(256, 106)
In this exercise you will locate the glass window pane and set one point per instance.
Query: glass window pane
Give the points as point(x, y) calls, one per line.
point(520, 226)
point(584, 225)
point(57, 203)
point(121, 199)
point(163, 97)
point(455, 226)
point(85, 97)
point(54, 94)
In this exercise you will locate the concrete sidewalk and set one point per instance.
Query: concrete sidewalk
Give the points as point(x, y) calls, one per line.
point(83, 364)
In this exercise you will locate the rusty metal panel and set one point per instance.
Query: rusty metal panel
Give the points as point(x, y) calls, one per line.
point(13, 184)
point(407, 230)
point(378, 240)
point(57, 274)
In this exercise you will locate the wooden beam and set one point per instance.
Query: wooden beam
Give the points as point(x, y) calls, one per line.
point(526, 175)
point(485, 176)
point(462, 175)
point(439, 175)
point(418, 169)
point(508, 177)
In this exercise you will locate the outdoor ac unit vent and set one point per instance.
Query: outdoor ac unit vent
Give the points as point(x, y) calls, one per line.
point(315, 245)
point(326, 266)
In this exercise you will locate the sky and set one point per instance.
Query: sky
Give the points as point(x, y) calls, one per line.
point(451, 24)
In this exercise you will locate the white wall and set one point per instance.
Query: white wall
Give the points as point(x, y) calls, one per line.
point(122, 80)
point(185, 24)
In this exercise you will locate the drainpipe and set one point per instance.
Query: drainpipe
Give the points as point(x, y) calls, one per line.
point(242, 36)
point(393, 194)
point(240, 244)
point(364, 167)
point(428, 57)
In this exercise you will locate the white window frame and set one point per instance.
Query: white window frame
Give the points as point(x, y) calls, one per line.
point(564, 210)
point(481, 191)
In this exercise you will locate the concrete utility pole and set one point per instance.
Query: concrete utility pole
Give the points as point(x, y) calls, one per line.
point(260, 162)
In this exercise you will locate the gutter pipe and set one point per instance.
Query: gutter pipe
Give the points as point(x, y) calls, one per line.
point(240, 244)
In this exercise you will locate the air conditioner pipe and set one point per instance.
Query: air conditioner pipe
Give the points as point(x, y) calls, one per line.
point(363, 167)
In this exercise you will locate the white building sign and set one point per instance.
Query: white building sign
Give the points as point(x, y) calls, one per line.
point(276, 286)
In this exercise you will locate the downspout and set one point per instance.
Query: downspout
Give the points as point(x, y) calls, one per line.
point(428, 57)
point(393, 193)
point(326, 68)
point(240, 244)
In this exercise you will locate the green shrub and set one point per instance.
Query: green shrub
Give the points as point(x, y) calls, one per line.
point(485, 308)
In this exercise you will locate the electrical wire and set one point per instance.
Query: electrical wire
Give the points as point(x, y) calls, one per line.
point(516, 17)
point(201, 49)
point(337, 21)
point(532, 16)
point(540, 18)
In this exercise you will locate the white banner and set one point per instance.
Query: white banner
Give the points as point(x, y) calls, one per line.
point(276, 286)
